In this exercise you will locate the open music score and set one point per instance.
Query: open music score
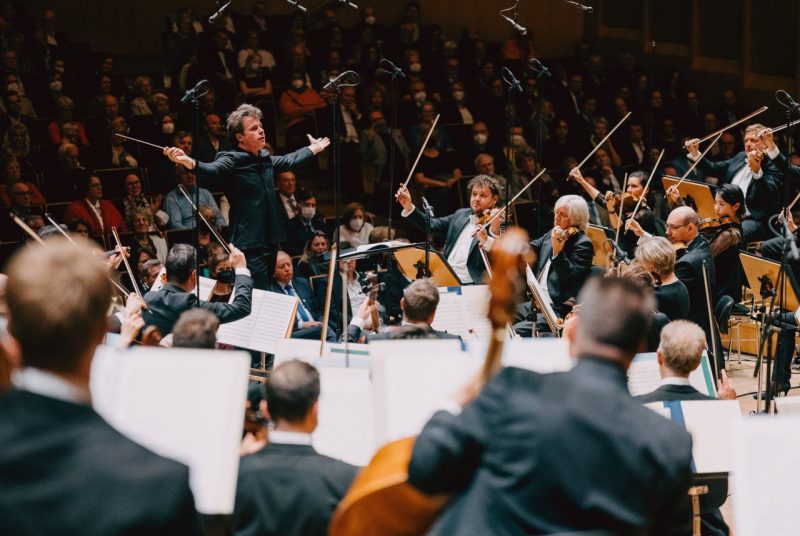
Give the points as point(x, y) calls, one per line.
point(271, 318)
point(462, 311)
point(644, 376)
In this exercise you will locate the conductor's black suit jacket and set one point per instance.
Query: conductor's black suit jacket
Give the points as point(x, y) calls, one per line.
point(288, 490)
point(64, 470)
point(249, 183)
point(547, 453)
point(165, 306)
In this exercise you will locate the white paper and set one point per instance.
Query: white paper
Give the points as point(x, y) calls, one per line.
point(644, 376)
point(710, 422)
point(346, 415)
point(543, 355)
point(787, 405)
point(333, 354)
point(270, 320)
point(764, 477)
point(183, 404)
point(206, 288)
point(463, 311)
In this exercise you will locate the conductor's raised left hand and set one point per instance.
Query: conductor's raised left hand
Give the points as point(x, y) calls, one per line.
point(317, 145)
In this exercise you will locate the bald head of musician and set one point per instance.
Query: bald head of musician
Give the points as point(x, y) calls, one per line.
point(57, 301)
point(292, 397)
point(682, 225)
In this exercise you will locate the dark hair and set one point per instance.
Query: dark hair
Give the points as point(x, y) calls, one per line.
point(236, 118)
point(350, 211)
point(485, 181)
point(420, 300)
point(82, 182)
point(214, 261)
point(72, 224)
point(180, 263)
point(303, 195)
point(292, 390)
point(732, 194)
point(195, 328)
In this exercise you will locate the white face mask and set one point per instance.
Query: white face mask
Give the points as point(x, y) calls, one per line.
point(370, 20)
point(356, 224)
point(13, 86)
point(420, 96)
point(308, 212)
point(168, 128)
point(458, 96)
point(415, 67)
point(56, 85)
point(517, 140)
point(480, 139)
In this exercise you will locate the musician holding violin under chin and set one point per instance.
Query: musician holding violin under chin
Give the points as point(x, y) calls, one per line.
point(634, 190)
point(563, 261)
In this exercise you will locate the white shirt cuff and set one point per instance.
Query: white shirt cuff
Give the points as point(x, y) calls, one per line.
point(405, 213)
point(758, 175)
point(773, 154)
point(243, 271)
point(357, 321)
point(487, 246)
point(693, 157)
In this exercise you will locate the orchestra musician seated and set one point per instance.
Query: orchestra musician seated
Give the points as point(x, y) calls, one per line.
point(517, 464)
point(308, 323)
point(563, 261)
point(63, 468)
point(176, 296)
point(288, 488)
point(196, 328)
point(461, 247)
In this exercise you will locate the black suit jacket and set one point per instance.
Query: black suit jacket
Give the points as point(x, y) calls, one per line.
point(297, 235)
point(249, 183)
point(450, 228)
point(762, 196)
point(303, 290)
point(672, 392)
point(418, 331)
point(165, 306)
point(286, 490)
point(568, 270)
point(64, 470)
point(520, 464)
point(689, 269)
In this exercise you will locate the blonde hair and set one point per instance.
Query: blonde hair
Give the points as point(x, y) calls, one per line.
point(577, 209)
point(657, 255)
point(682, 344)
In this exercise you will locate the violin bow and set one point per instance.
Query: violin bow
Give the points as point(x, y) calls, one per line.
point(502, 210)
point(210, 227)
point(606, 138)
point(694, 165)
point(621, 199)
point(421, 149)
point(127, 264)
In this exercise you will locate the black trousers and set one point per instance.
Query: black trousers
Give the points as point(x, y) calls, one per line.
point(261, 263)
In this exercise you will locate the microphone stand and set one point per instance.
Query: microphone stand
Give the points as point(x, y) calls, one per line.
point(428, 209)
point(195, 99)
point(392, 148)
point(509, 125)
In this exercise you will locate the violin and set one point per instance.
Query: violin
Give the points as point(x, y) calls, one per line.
point(712, 225)
point(628, 200)
point(680, 248)
point(565, 234)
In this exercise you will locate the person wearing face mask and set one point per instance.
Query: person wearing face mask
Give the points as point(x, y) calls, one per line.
point(221, 269)
point(354, 228)
point(482, 141)
point(516, 144)
point(254, 81)
point(303, 226)
point(297, 104)
point(456, 109)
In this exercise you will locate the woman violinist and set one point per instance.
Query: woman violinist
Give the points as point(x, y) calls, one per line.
point(633, 192)
point(725, 236)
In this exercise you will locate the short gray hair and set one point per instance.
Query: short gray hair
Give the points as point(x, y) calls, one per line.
point(420, 300)
point(682, 344)
point(236, 117)
point(656, 254)
point(577, 209)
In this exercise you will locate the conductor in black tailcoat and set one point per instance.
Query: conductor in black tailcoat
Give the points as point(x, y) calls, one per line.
point(288, 488)
point(63, 469)
point(246, 174)
point(598, 460)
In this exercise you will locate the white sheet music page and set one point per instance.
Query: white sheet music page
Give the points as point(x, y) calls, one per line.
point(710, 422)
point(270, 320)
point(644, 376)
point(450, 313)
point(764, 477)
point(346, 415)
point(206, 288)
point(475, 304)
point(187, 405)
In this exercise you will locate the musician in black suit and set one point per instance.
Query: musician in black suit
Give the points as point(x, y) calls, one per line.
point(519, 464)
point(288, 488)
point(176, 296)
point(563, 261)
point(302, 227)
point(308, 322)
point(246, 174)
point(759, 179)
point(63, 469)
point(460, 247)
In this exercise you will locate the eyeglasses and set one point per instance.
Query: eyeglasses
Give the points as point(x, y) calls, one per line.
point(671, 227)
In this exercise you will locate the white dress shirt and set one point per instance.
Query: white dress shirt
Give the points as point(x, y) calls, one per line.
point(289, 438)
point(45, 383)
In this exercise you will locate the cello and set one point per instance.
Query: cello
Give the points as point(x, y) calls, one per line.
point(381, 500)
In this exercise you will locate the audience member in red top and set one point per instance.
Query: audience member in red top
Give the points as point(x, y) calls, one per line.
point(10, 175)
point(102, 215)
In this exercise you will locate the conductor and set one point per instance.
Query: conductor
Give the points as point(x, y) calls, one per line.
point(246, 174)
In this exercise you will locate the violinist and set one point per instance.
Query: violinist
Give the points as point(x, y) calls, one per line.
point(563, 261)
point(657, 256)
point(610, 201)
point(725, 235)
point(460, 247)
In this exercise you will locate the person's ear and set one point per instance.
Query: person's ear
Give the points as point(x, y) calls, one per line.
point(402, 304)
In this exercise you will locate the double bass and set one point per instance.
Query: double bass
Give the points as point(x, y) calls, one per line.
point(381, 500)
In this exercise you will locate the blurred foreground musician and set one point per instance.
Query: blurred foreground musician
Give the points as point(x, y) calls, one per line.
point(63, 469)
point(563, 259)
point(519, 464)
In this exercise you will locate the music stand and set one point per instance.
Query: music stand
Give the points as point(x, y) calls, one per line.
point(411, 258)
point(599, 237)
point(544, 306)
point(698, 192)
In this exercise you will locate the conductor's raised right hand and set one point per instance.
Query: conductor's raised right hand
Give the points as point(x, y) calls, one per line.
point(237, 258)
point(693, 147)
point(403, 197)
point(177, 155)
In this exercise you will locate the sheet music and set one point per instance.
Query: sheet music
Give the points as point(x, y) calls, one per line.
point(271, 319)
point(187, 405)
point(332, 353)
point(644, 376)
point(710, 422)
point(764, 477)
point(206, 288)
point(787, 405)
point(346, 415)
point(544, 355)
point(463, 308)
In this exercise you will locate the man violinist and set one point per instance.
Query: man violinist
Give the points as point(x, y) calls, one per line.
point(461, 247)
point(563, 258)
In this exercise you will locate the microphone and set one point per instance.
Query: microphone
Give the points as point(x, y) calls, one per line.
point(297, 5)
point(511, 80)
point(539, 67)
point(351, 4)
point(340, 81)
point(196, 92)
point(582, 7)
point(391, 68)
point(518, 27)
point(427, 208)
point(213, 18)
point(620, 252)
point(790, 103)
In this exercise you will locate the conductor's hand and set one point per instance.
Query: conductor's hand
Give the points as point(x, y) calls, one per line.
point(403, 197)
point(693, 147)
point(576, 175)
point(317, 145)
point(237, 258)
point(177, 155)
point(633, 225)
point(725, 390)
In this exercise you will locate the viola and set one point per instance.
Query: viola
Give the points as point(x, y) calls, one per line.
point(712, 225)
